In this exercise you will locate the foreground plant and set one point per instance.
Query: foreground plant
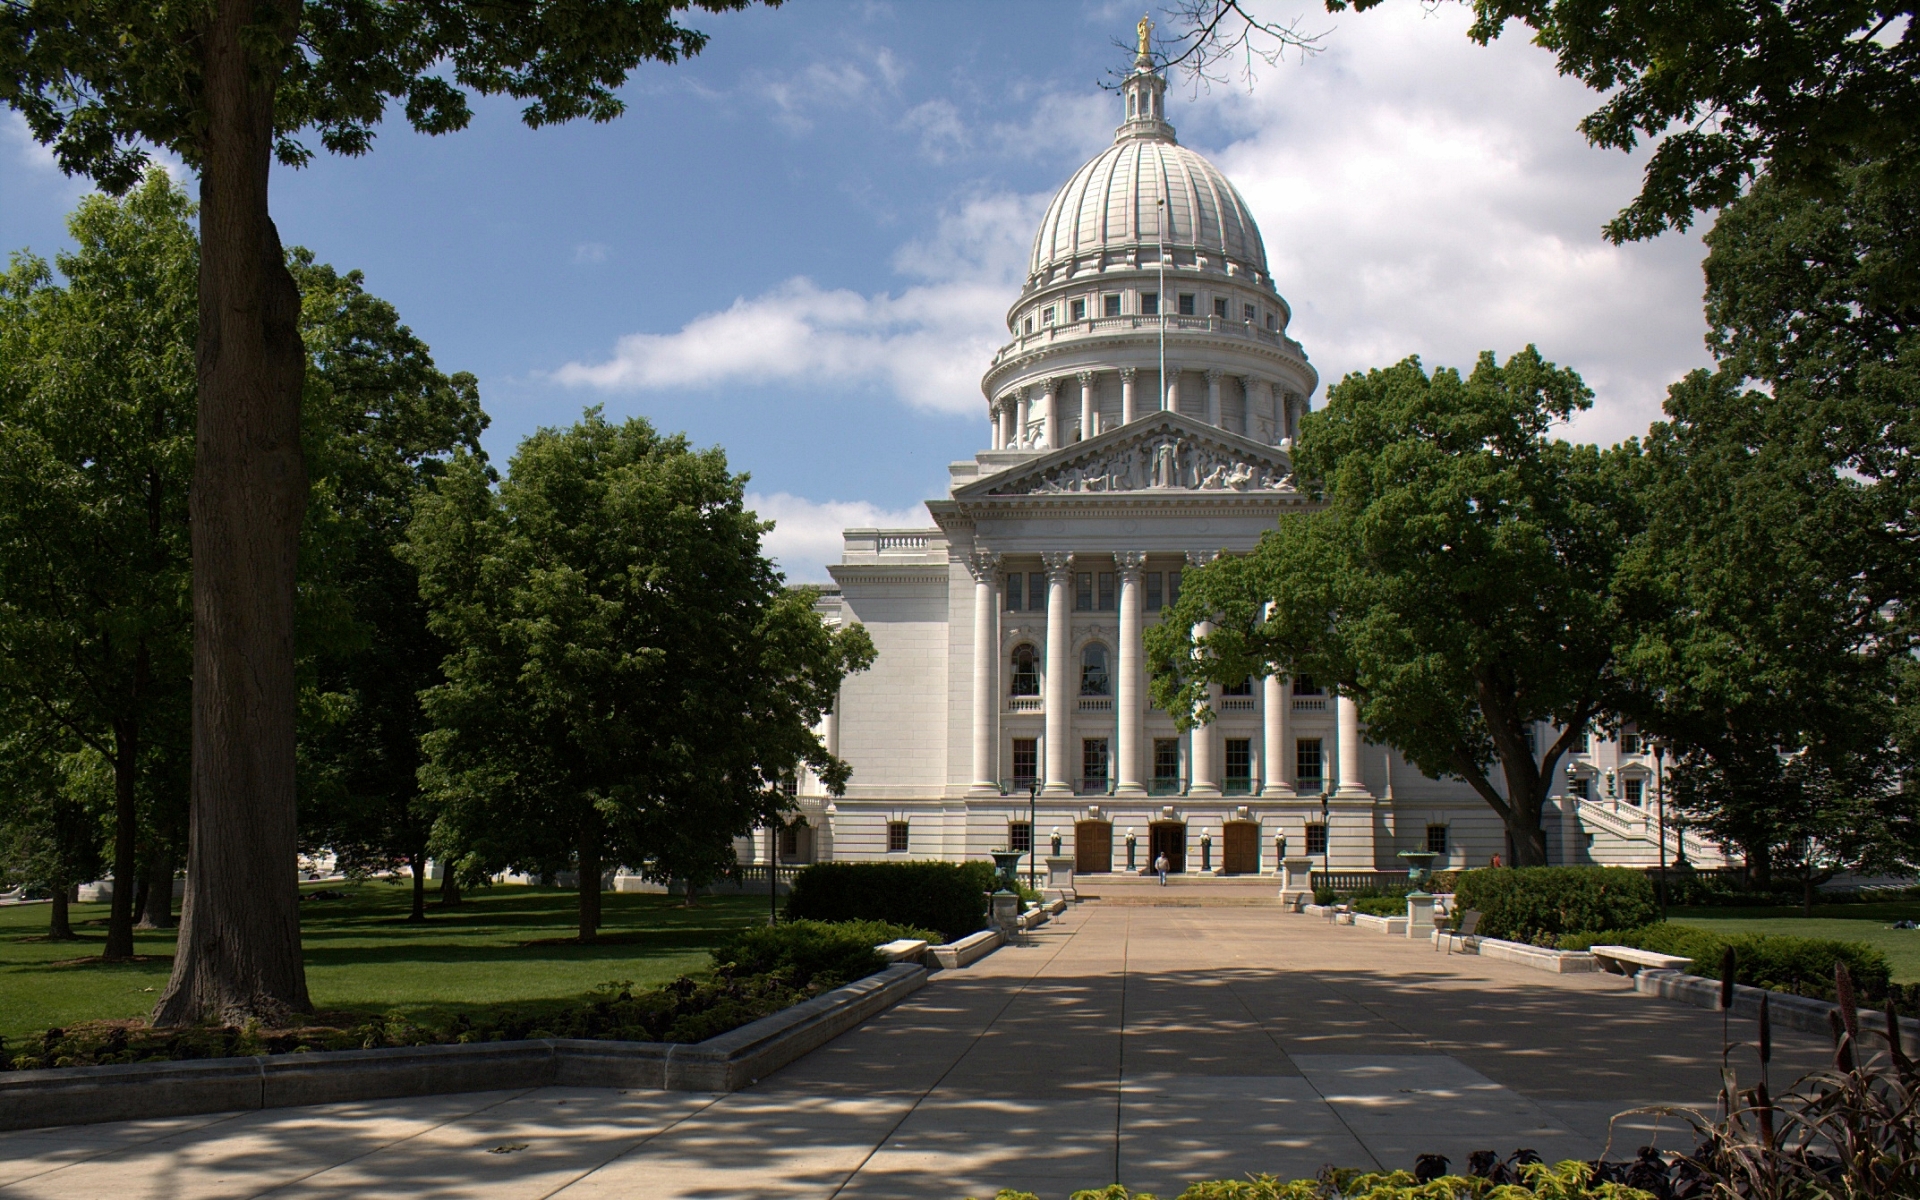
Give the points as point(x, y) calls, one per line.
point(1526, 1181)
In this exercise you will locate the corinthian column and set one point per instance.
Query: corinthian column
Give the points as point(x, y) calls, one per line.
point(1059, 781)
point(1024, 414)
point(1213, 396)
point(1128, 406)
point(1130, 694)
point(1353, 784)
point(1086, 405)
point(1276, 716)
point(1206, 764)
point(985, 566)
point(1052, 415)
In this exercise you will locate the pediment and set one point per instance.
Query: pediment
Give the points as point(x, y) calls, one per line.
point(1164, 453)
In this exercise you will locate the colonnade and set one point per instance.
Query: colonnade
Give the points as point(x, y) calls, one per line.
point(1012, 414)
point(1060, 700)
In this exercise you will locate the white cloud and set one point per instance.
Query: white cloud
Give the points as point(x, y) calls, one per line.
point(806, 535)
point(591, 253)
point(928, 343)
point(25, 150)
point(1422, 194)
point(798, 98)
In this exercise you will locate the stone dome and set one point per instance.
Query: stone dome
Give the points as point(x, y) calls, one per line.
point(1111, 205)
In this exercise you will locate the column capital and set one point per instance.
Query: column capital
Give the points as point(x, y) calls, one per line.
point(1085, 377)
point(1051, 386)
point(1130, 563)
point(982, 564)
point(1059, 564)
point(1214, 374)
point(1127, 373)
point(1200, 558)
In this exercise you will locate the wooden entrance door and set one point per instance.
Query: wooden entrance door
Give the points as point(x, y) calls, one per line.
point(1169, 838)
point(1092, 847)
point(1240, 848)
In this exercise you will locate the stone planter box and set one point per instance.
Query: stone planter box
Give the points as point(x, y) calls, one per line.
point(84, 1095)
point(1391, 926)
point(1560, 962)
point(1795, 1012)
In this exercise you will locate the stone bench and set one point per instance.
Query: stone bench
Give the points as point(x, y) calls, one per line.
point(968, 950)
point(910, 950)
point(1630, 960)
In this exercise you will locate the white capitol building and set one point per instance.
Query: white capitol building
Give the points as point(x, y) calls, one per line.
point(1009, 631)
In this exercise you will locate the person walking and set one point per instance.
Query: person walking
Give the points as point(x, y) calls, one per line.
point(1160, 865)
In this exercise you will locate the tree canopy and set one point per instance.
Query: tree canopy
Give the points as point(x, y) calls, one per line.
point(1456, 583)
point(628, 678)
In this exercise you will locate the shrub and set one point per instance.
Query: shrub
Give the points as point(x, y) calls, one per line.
point(1800, 966)
point(1538, 904)
point(1381, 906)
point(1537, 1181)
point(948, 897)
point(806, 951)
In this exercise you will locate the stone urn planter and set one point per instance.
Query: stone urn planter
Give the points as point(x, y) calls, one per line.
point(1008, 864)
point(1419, 867)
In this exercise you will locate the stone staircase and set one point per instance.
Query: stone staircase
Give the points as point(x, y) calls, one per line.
point(1182, 891)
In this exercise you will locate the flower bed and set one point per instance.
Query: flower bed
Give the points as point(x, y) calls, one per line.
point(756, 973)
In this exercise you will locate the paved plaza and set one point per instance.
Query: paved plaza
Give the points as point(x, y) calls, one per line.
point(1151, 1036)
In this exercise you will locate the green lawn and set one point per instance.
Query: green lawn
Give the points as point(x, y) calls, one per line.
point(503, 943)
point(1843, 922)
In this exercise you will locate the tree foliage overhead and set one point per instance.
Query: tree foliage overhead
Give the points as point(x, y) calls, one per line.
point(1457, 582)
point(627, 672)
point(95, 80)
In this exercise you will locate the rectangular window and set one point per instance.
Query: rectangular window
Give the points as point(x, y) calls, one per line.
point(1093, 764)
point(1110, 305)
point(1307, 764)
point(1079, 310)
point(1240, 761)
point(790, 785)
point(1173, 588)
point(1186, 304)
point(1533, 743)
point(1316, 839)
point(1303, 685)
point(1272, 323)
point(1220, 307)
point(896, 837)
point(1083, 591)
point(1026, 326)
point(1578, 789)
point(1580, 743)
point(1036, 592)
point(1019, 836)
point(1149, 304)
point(1248, 310)
point(1046, 317)
point(1634, 787)
point(1155, 597)
point(1026, 762)
point(1106, 591)
point(1014, 589)
point(789, 840)
point(1166, 760)
point(1243, 688)
point(1629, 743)
point(1437, 839)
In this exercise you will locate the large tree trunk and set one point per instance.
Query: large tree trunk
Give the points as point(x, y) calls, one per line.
point(157, 913)
point(449, 888)
point(126, 828)
point(589, 876)
point(417, 863)
point(60, 926)
point(239, 954)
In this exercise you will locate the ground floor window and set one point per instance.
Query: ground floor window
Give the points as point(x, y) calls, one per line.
point(1019, 836)
point(1437, 838)
point(896, 837)
point(1634, 789)
point(1316, 839)
point(1166, 761)
point(1026, 762)
point(1308, 764)
point(1240, 763)
point(1093, 764)
point(1577, 788)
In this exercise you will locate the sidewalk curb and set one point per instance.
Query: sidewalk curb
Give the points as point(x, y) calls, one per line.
point(1795, 1012)
point(733, 1060)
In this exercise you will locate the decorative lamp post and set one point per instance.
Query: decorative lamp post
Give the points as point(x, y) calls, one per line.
point(1660, 801)
point(1033, 839)
point(1206, 852)
point(1130, 863)
point(1326, 832)
point(1056, 841)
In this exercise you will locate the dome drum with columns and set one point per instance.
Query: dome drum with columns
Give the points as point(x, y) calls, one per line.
point(1009, 632)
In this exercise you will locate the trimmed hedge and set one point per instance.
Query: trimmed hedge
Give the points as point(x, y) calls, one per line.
point(942, 896)
point(1381, 906)
point(1801, 966)
point(1538, 904)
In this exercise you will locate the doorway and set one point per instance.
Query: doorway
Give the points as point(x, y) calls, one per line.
point(1240, 848)
point(1168, 838)
point(1092, 847)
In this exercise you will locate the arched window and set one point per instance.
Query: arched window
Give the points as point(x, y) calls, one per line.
point(1093, 670)
point(1026, 672)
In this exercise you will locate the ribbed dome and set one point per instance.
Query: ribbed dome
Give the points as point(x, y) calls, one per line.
point(1111, 202)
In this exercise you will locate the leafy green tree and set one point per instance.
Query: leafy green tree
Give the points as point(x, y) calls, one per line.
point(229, 85)
point(380, 419)
point(1456, 580)
point(96, 442)
point(1726, 89)
point(50, 835)
point(628, 675)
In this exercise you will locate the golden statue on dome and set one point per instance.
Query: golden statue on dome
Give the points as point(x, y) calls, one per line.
point(1145, 30)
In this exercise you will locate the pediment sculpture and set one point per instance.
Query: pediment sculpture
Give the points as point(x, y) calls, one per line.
point(1164, 461)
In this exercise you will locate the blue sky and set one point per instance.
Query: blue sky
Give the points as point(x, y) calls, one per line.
point(799, 245)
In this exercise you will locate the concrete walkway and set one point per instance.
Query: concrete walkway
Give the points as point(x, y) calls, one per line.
point(1152, 1044)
